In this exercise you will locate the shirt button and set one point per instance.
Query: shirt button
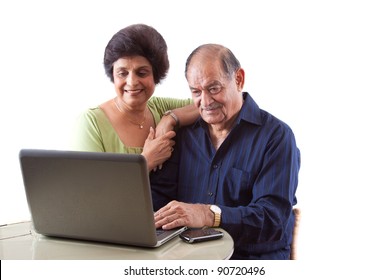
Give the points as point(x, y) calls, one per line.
point(215, 166)
point(210, 193)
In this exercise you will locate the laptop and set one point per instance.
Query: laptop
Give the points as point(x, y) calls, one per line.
point(104, 197)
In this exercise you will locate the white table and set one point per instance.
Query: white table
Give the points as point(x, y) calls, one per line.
point(20, 241)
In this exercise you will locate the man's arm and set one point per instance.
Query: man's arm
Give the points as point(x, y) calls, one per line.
point(187, 214)
point(260, 208)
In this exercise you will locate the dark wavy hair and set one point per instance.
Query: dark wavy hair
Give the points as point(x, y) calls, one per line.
point(134, 40)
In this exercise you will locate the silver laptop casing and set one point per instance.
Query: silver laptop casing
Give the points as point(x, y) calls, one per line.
point(104, 197)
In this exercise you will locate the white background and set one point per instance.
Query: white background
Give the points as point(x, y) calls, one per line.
point(321, 66)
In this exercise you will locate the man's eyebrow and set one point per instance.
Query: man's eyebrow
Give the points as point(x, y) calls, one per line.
point(213, 83)
point(210, 84)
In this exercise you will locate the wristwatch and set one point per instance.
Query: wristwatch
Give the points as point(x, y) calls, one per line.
point(217, 215)
point(173, 115)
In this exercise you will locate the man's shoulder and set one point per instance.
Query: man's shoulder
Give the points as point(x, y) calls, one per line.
point(265, 118)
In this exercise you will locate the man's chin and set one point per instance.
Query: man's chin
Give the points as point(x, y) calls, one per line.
point(213, 119)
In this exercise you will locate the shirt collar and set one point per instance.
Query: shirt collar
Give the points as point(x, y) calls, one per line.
point(250, 111)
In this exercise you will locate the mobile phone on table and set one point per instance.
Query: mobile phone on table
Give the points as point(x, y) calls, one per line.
point(194, 235)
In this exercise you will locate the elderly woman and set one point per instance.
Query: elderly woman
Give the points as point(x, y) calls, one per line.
point(135, 60)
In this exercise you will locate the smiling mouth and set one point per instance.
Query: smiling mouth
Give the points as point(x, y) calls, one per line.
point(133, 92)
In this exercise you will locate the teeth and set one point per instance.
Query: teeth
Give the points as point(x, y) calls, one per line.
point(133, 91)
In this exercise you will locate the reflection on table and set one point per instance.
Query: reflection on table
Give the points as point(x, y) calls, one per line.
point(20, 241)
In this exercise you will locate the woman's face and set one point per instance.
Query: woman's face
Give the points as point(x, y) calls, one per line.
point(133, 80)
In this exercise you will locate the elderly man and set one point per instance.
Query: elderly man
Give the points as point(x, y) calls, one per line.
point(236, 167)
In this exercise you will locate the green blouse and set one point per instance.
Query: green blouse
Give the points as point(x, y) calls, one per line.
point(95, 133)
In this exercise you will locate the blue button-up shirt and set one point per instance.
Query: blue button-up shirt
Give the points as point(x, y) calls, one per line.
point(252, 177)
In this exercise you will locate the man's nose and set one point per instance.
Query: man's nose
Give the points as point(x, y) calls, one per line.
point(206, 99)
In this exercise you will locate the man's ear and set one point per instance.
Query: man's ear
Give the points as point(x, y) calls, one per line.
point(240, 78)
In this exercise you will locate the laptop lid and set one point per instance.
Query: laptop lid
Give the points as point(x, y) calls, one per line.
point(103, 197)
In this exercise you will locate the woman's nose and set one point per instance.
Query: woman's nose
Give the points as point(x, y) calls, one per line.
point(131, 79)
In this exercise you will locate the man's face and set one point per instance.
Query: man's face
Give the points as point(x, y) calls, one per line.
point(217, 96)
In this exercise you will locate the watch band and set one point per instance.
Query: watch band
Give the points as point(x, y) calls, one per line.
point(173, 115)
point(216, 220)
point(217, 215)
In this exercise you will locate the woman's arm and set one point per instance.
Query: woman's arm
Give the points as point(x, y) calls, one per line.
point(86, 134)
point(172, 119)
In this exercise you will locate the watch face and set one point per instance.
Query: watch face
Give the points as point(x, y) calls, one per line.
point(215, 209)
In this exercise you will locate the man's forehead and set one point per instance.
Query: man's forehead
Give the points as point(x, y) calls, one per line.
point(204, 74)
point(204, 65)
